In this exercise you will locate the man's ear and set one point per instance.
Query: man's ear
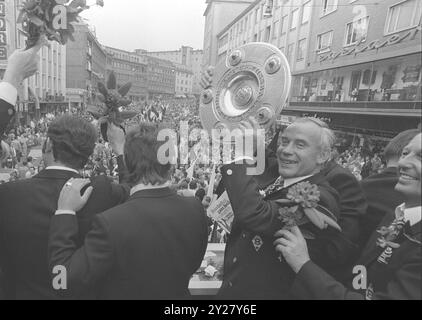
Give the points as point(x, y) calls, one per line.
point(323, 157)
point(48, 146)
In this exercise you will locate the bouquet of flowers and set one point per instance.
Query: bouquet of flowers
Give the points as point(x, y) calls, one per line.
point(301, 207)
point(50, 18)
point(113, 98)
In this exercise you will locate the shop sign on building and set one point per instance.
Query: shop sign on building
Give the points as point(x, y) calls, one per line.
point(373, 45)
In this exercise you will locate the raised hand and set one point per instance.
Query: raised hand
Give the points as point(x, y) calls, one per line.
point(206, 80)
point(23, 63)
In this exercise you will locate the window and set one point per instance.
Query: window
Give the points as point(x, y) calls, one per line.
point(295, 18)
point(328, 6)
point(356, 31)
point(404, 15)
point(283, 25)
point(276, 26)
point(324, 41)
point(290, 50)
point(306, 13)
point(301, 49)
point(267, 33)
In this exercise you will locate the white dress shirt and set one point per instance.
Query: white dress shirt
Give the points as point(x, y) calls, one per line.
point(413, 215)
point(8, 93)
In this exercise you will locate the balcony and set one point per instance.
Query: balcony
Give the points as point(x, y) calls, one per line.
point(390, 108)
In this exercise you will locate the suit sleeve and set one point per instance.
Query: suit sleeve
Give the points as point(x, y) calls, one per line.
point(7, 111)
point(353, 204)
point(314, 283)
point(250, 209)
point(86, 266)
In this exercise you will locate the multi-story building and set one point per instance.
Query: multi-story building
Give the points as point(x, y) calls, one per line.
point(129, 67)
point(161, 77)
point(185, 56)
point(283, 23)
point(363, 66)
point(355, 63)
point(218, 14)
point(86, 66)
point(45, 91)
point(183, 80)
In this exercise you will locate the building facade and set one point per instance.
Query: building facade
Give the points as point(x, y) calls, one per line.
point(185, 56)
point(355, 63)
point(284, 23)
point(86, 66)
point(218, 14)
point(184, 79)
point(161, 77)
point(363, 67)
point(129, 67)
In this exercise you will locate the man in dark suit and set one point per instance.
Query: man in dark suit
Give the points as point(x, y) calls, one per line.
point(252, 269)
point(27, 206)
point(390, 266)
point(146, 248)
point(379, 188)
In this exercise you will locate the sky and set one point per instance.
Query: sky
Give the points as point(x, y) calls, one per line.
point(153, 25)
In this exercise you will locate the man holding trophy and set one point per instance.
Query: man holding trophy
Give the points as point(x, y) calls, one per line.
point(298, 196)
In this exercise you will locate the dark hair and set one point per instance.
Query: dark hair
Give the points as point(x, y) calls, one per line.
point(193, 185)
point(200, 194)
point(29, 159)
point(73, 140)
point(141, 150)
point(395, 148)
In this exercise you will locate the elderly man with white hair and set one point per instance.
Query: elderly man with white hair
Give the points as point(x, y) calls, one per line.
point(299, 196)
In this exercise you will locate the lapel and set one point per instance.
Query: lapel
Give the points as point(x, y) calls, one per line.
point(372, 251)
point(315, 179)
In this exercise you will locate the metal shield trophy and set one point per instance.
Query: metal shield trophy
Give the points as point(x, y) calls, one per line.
point(254, 80)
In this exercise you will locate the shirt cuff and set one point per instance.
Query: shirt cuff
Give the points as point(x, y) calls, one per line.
point(65, 212)
point(8, 93)
point(240, 159)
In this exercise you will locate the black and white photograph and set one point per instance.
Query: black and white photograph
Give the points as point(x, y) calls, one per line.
point(210, 154)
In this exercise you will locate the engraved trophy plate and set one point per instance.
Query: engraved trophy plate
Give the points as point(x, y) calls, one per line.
point(254, 80)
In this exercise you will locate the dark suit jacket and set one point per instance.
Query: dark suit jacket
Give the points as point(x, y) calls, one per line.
point(399, 278)
point(353, 204)
point(7, 111)
point(26, 210)
point(258, 274)
point(146, 248)
point(381, 197)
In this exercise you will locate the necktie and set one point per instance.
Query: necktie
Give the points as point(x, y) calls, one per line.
point(275, 187)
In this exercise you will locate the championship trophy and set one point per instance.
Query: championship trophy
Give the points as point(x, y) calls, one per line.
point(253, 81)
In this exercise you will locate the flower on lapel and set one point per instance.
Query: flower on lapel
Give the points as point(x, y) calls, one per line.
point(301, 204)
point(305, 194)
point(390, 234)
point(113, 98)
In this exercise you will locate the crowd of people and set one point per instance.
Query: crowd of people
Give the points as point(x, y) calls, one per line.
point(298, 230)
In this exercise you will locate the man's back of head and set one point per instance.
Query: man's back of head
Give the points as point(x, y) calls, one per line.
point(72, 140)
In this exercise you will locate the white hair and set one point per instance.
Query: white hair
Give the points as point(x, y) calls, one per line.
point(328, 137)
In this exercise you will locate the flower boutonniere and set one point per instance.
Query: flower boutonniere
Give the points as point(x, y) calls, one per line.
point(388, 235)
point(301, 203)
